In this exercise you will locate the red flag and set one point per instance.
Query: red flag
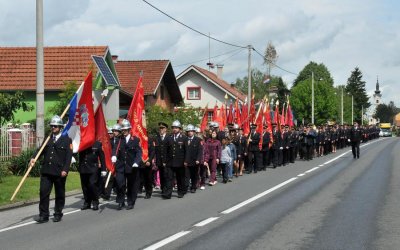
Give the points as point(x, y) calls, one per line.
point(259, 123)
point(267, 121)
point(283, 116)
point(230, 118)
point(215, 113)
point(238, 118)
point(137, 117)
point(245, 119)
point(252, 110)
point(289, 116)
point(103, 137)
point(204, 121)
point(222, 115)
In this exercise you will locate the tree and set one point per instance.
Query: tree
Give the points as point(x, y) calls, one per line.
point(260, 88)
point(356, 87)
point(10, 103)
point(386, 113)
point(325, 102)
point(270, 57)
point(321, 72)
point(65, 97)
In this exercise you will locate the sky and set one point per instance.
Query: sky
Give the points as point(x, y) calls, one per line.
point(341, 34)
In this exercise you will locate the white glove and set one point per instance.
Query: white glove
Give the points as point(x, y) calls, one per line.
point(281, 148)
point(114, 159)
point(135, 165)
point(103, 173)
point(73, 160)
point(348, 140)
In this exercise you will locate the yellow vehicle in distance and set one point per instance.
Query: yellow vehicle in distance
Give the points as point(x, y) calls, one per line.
point(386, 130)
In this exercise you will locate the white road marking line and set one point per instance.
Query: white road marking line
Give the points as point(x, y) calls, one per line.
point(321, 165)
point(244, 203)
point(167, 240)
point(337, 157)
point(206, 221)
point(300, 175)
point(310, 170)
point(34, 222)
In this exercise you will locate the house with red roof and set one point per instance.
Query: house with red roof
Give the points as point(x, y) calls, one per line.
point(159, 82)
point(201, 87)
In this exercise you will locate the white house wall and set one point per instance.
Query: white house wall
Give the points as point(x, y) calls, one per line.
point(209, 92)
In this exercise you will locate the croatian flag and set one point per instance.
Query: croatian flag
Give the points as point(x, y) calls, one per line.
point(81, 127)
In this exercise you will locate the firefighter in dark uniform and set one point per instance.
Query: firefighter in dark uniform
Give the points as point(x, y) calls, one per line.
point(254, 150)
point(57, 155)
point(160, 144)
point(176, 150)
point(128, 157)
point(146, 170)
point(285, 144)
point(294, 136)
point(241, 151)
point(355, 138)
point(276, 148)
point(193, 156)
point(266, 139)
point(88, 168)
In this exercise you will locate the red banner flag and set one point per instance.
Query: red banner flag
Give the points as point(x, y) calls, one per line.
point(222, 115)
point(137, 117)
point(230, 117)
point(245, 119)
point(283, 116)
point(204, 121)
point(252, 110)
point(103, 137)
point(215, 113)
point(289, 116)
point(238, 118)
point(259, 123)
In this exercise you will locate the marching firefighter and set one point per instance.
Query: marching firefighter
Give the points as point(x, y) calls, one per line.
point(193, 157)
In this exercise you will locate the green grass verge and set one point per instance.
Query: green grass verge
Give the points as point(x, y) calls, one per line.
point(30, 189)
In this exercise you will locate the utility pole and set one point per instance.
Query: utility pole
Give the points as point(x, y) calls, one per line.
point(312, 97)
point(39, 74)
point(249, 78)
point(342, 105)
point(362, 115)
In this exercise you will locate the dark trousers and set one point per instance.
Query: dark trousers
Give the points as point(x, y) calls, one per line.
point(194, 176)
point(46, 185)
point(254, 161)
point(265, 158)
point(161, 170)
point(89, 184)
point(355, 148)
point(225, 174)
point(127, 183)
point(285, 156)
point(292, 154)
point(277, 156)
point(203, 174)
point(308, 152)
point(146, 179)
point(169, 179)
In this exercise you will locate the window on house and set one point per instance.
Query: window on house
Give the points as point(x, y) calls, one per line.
point(210, 115)
point(162, 92)
point(193, 93)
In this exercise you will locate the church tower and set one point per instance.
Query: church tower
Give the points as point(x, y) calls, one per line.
point(377, 95)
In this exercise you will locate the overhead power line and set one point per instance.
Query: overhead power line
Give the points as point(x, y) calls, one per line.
point(193, 29)
point(206, 59)
point(290, 72)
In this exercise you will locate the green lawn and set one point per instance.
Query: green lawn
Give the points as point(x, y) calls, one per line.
point(30, 189)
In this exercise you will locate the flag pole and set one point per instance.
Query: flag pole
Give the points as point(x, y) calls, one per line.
point(39, 153)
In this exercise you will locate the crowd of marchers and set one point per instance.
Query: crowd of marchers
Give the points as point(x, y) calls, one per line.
point(183, 159)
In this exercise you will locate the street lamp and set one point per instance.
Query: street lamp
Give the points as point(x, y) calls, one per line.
point(342, 106)
point(312, 97)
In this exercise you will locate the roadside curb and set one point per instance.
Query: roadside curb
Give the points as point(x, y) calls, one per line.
point(34, 201)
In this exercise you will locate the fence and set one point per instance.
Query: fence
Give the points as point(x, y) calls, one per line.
point(14, 140)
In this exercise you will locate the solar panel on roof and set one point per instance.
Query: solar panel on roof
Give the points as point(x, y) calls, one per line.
point(105, 71)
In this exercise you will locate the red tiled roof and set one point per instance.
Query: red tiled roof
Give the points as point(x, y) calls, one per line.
point(223, 84)
point(18, 66)
point(153, 72)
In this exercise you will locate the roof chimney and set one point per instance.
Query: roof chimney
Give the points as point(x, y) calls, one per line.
point(115, 58)
point(220, 68)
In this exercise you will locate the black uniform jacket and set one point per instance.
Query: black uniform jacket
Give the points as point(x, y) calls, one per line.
point(128, 153)
point(276, 139)
point(265, 142)
point(355, 134)
point(57, 156)
point(176, 150)
point(286, 140)
point(90, 157)
point(161, 150)
point(255, 140)
point(194, 151)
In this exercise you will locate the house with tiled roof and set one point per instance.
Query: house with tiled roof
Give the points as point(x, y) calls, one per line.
point(201, 87)
point(61, 64)
point(159, 82)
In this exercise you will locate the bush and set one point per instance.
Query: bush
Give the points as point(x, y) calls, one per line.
point(4, 170)
point(19, 164)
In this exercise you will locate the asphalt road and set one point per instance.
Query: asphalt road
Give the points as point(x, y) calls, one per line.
point(332, 202)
